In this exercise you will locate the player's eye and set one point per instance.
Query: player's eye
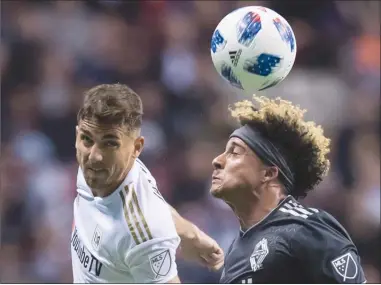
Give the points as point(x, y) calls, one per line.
point(112, 144)
point(233, 152)
point(86, 139)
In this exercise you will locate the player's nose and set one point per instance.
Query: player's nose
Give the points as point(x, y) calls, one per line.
point(95, 154)
point(218, 161)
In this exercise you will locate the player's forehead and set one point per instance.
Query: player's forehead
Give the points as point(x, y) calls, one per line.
point(101, 130)
point(236, 142)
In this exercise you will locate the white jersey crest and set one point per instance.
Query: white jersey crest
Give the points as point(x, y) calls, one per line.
point(126, 237)
point(260, 252)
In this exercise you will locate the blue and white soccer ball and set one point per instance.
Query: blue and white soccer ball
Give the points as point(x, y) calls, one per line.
point(253, 48)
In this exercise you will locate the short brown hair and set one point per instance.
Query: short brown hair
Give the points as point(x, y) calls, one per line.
point(114, 104)
point(303, 143)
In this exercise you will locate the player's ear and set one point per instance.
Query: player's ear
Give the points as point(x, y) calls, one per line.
point(76, 136)
point(138, 146)
point(271, 173)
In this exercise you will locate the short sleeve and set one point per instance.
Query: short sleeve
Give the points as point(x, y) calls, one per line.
point(153, 260)
point(327, 254)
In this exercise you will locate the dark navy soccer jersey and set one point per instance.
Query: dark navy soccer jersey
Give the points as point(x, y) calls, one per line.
point(293, 244)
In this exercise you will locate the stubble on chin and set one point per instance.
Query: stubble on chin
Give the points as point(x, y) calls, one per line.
point(216, 191)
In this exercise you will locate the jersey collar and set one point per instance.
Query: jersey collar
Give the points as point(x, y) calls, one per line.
point(242, 232)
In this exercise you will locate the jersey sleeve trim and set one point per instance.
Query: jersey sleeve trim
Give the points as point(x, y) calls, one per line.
point(134, 215)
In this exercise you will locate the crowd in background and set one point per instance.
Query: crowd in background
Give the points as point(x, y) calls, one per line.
point(51, 51)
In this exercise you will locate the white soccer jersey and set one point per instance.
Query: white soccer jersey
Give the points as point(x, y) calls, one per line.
point(126, 237)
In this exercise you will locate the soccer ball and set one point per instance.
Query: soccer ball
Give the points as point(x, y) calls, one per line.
point(253, 48)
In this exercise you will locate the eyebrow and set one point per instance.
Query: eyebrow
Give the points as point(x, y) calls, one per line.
point(105, 137)
point(236, 144)
point(110, 136)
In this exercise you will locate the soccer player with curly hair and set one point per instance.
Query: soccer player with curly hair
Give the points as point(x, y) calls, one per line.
point(271, 160)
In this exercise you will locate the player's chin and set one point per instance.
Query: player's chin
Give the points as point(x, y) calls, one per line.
point(216, 190)
point(96, 181)
point(93, 182)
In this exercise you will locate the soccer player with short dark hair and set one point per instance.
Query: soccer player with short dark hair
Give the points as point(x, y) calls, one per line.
point(123, 230)
point(273, 159)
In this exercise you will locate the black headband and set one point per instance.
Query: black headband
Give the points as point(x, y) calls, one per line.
point(267, 152)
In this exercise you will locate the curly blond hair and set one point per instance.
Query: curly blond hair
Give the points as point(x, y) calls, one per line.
point(302, 143)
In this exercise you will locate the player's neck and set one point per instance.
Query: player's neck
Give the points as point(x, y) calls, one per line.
point(252, 210)
point(249, 215)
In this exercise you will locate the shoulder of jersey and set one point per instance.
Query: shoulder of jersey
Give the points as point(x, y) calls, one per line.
point(148, 182)
point(143, 207)
point(293, 209)
point(319, 219)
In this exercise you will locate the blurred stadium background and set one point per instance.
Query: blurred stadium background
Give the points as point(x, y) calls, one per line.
point(52, 51)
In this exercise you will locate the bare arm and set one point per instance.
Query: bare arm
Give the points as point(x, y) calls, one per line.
point(184, 228)
point(196, 245)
